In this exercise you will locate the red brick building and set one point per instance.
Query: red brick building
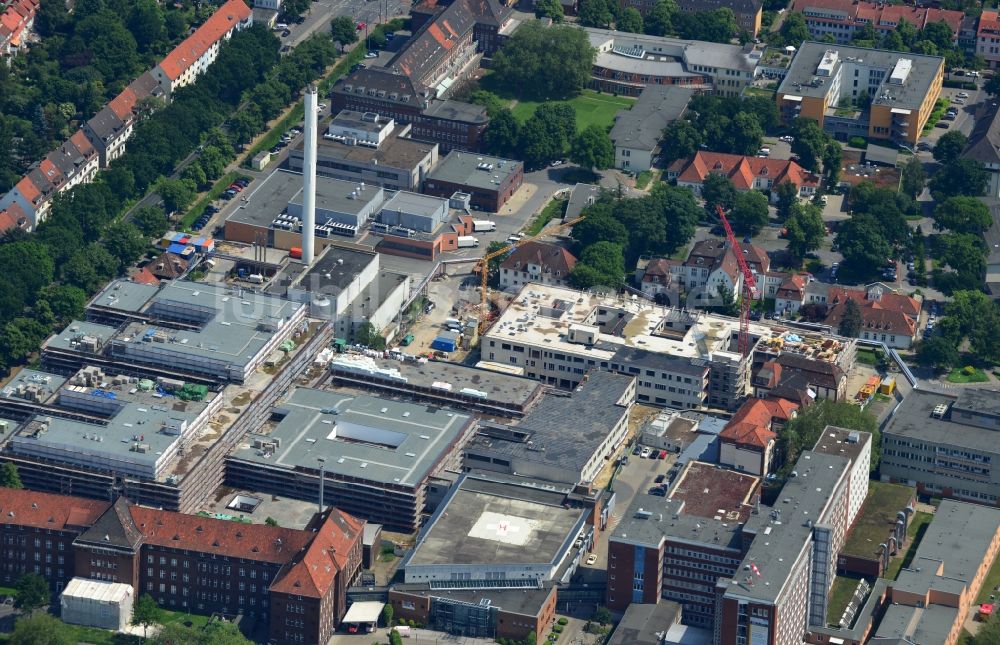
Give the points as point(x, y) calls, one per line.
point(295, 579)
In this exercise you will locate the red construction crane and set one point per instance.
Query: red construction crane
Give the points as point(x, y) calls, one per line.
point(749, 284)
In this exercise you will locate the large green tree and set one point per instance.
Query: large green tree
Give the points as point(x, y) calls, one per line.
point(544, 63)
point(146, 613)
point(683, 140)
point(802, 432)
point(863, 245)
point(40, 629)
point(592, 149)
point(9, 477)
point(959, 177)
point(595, 13)
point(630, 21)
point(962, 214)
point(343, 30)
point(750, 213)
point(805, 230)
point(913, 177)
point(950, 146)
point(503, 133)
point(938, 352)
point(32, 592)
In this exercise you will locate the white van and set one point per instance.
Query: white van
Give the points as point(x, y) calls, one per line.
point(280, 26)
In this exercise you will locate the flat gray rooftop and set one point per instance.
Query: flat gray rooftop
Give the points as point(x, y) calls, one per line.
point(362, 437)
point(229, 320)
point(125, 295)
point(407, 202)
point(136, 417)
point(485, 522)
point(842, 442)
point(922, 626)
point(496, 385)
point(779, 542)
point(403, 154)
point(641, 126)
point(644, 624)
point(913, 420)
point(332, 272)
point(271, 197)
point(66, 339)
point(546, 423)
point(957, 540)
point(706, 505)
point(45, 383)
point(802, 80)
point(457, 111)
point(468, 169)
point(978, 399)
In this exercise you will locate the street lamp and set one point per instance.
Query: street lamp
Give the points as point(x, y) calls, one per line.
point(322, 474)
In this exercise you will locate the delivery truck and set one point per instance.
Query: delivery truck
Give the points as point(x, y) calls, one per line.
point(483, 225)
point(467, 241)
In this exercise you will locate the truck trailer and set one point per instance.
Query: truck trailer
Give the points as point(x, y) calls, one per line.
point(467, 241)
point(483, 225)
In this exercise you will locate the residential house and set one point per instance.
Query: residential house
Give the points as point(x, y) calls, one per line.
point(791, 294)
point(111, 127)
point(984, 143)
point(536, 262)
point(712, 263)
point(494, 21)
point(748, 440)
point(886, 316)
point(580, 197)
point(16, 22)
point(843, 19)
point(167, 266)
point(658, 278)
point(746, 173)
point(800, 379)
point(748, 13)
point(191, 58)
point(988, 37)
point(13, 216)
point(637, 131)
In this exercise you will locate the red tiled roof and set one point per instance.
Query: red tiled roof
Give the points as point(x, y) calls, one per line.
point(741, 170)
point(792, 287)
point(222, 537)
point(551, 257)
point(47, 510)
point(189, 51)
point(328, 554)
point(79, 139)
point(751, 425)
point(143, 276)
point(989, 22)
point(661, 267)
point(28, 188)
point(13, 217)
point(890, 312)
point(50, 171)
point(883, 16)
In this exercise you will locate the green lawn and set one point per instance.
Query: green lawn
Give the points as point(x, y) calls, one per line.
point(877, 516)
point(867, 356)
point(964, 375)
point(591, 108)
point(555, 208)
point(939, 109)
point(991, 581)
point(643, 179)
point(914, 533)
point(840, 594)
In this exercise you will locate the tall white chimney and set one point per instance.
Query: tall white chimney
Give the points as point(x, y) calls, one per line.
point(309, 176)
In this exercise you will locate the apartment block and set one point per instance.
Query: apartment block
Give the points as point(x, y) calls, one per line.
point(824, 81)
point(945, 444)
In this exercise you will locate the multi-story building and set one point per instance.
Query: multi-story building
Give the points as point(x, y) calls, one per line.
point(747, 442)
point(988, 38)
point(537, 262)
point(843, 19)
point(197, 52)
point(393, 161)
point(375, 464)
point(748, 13)
point(825, 82)
point(676, 547)
point(945, 444)
point(680, 358)
point(933, 596)
point(746, 173)
point(453, 125)
point(782, 582)
point(494, 21)
point(984, 145)
point(488, 181)
point(538, 446)
point(109, 129)
point(15, 23)
point(626, 63)
point(637, 130)
point(294, 580)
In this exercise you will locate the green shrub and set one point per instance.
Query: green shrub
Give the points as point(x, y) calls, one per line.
point(857, 142)
point(557, 629)
point(563, 621)
point(968, 370)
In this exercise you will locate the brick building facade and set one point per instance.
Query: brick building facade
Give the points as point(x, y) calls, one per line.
point(295, 579)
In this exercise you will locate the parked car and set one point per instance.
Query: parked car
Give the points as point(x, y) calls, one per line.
point(662, 455)
point(941, 124)
point(371, 55)
point(591, 559)
point(645, 452)
point(963, 95)
point(787, 138)
point(361, 26)
point(659, 479)
point(659, 492)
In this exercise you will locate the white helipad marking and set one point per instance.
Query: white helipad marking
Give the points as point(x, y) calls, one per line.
point(508, 529)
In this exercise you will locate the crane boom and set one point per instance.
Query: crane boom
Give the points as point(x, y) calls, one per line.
point(749, 284)
point(484, 265)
